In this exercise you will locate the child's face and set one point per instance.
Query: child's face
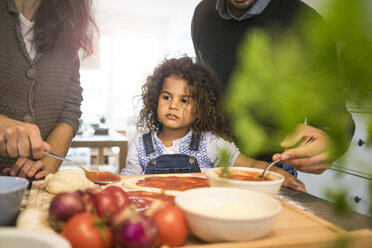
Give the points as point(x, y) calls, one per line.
point(175, 104)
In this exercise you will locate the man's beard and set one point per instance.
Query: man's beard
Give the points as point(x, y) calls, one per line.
point(241, 5)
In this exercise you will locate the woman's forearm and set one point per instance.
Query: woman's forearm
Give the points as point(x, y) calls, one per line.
point(59, 140)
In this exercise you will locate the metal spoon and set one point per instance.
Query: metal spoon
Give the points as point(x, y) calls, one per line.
point(99, 177)
point(311, 139)
point(268, 167)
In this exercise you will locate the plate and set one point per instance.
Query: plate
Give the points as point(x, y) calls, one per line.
point(16, 238)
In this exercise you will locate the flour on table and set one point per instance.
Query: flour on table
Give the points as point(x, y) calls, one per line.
point(292, 202)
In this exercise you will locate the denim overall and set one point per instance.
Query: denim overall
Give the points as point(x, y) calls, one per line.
point(171, 163)
point(288, 168)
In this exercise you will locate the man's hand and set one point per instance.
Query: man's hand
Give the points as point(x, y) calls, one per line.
point(27, 169)
point(312, 157)
point(21, 139)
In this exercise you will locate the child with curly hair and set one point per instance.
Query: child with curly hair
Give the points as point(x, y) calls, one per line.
point(187, 128)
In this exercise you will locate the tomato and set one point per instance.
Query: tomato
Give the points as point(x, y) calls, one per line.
point(105, 204)
point(172, 225)
point(121, 197)
point(82, 232)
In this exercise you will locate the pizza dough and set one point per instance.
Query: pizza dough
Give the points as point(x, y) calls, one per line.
point(149, 192)
point(168, 184)
point(67, 181)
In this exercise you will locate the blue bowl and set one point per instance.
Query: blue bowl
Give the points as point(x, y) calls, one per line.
point(12, 191)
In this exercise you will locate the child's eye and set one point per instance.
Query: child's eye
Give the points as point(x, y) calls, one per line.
point(165, 97)
point(185, 101)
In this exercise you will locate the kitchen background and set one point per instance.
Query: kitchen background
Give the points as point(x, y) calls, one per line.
point(135, 36)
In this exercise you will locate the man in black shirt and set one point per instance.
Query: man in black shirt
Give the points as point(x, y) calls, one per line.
point(218, 29)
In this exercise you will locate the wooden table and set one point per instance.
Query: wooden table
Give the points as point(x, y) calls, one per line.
point(101, 141)
point(295, 227)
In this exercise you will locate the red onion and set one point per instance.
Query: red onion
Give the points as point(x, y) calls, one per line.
point(65, 205)
point(138, 232)
point(88, 200)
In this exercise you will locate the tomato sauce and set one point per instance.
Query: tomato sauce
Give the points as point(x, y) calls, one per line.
point(246, 176)
point(174, 183)
point(143, 199)
point(103, 176)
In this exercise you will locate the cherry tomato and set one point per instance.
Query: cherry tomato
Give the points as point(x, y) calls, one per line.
point(172, 225)
point(82, 231)
point(121, 197)
point(105, 204)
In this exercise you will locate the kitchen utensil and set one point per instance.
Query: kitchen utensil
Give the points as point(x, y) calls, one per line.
point(311, 139)
point(99, 177)
point(12, 237)
point(268, 167)
point(12, 191)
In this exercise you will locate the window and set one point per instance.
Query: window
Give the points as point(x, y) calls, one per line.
point(130, 47)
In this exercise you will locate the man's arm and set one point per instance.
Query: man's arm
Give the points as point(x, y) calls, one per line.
point(194, 35)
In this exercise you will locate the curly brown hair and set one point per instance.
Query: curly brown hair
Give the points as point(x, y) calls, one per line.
point(66, 23)
point(205, 91)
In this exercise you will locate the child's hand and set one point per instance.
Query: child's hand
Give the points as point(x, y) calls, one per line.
point(294, 183)
point(290, 181)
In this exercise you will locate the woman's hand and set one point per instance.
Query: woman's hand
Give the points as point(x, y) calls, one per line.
point(27, 168)
point(20, 139)
point(312, 157)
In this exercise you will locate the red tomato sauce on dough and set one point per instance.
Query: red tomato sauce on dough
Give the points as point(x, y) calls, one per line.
point(143, 199)
point(104, 176)
point(174, 183)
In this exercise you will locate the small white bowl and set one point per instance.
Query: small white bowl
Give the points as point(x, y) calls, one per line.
point(12, 191)
point(269, 187)
point(15, 238)
point(228, 214)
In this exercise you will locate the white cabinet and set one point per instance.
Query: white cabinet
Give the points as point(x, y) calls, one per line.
point(352, 173)
point(357, 189)
point(358, 158)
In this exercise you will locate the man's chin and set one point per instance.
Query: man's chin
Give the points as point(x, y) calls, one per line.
point(241, 5)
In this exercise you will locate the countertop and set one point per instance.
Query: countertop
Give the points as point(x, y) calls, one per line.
point(325, 210)
point(317, 206)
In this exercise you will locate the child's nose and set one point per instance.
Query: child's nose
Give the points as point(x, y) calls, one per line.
point(173, 105)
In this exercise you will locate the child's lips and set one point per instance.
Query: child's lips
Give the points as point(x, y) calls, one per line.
point(172, 116)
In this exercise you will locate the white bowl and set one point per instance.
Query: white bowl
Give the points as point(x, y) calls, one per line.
point(269, 187)
point(228, 214)
point(16, 238)
point(12, 191)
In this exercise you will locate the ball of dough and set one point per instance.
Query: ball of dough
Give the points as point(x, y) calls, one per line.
point(67, 181)
point(33, 219)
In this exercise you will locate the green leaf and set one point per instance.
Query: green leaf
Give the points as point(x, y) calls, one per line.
point(224, 163)
point(282, 81)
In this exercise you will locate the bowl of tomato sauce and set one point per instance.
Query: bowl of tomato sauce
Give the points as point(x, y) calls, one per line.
point(246, 178)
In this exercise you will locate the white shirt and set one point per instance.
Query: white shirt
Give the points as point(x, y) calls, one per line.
point(28, 35)
point(212, 143)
